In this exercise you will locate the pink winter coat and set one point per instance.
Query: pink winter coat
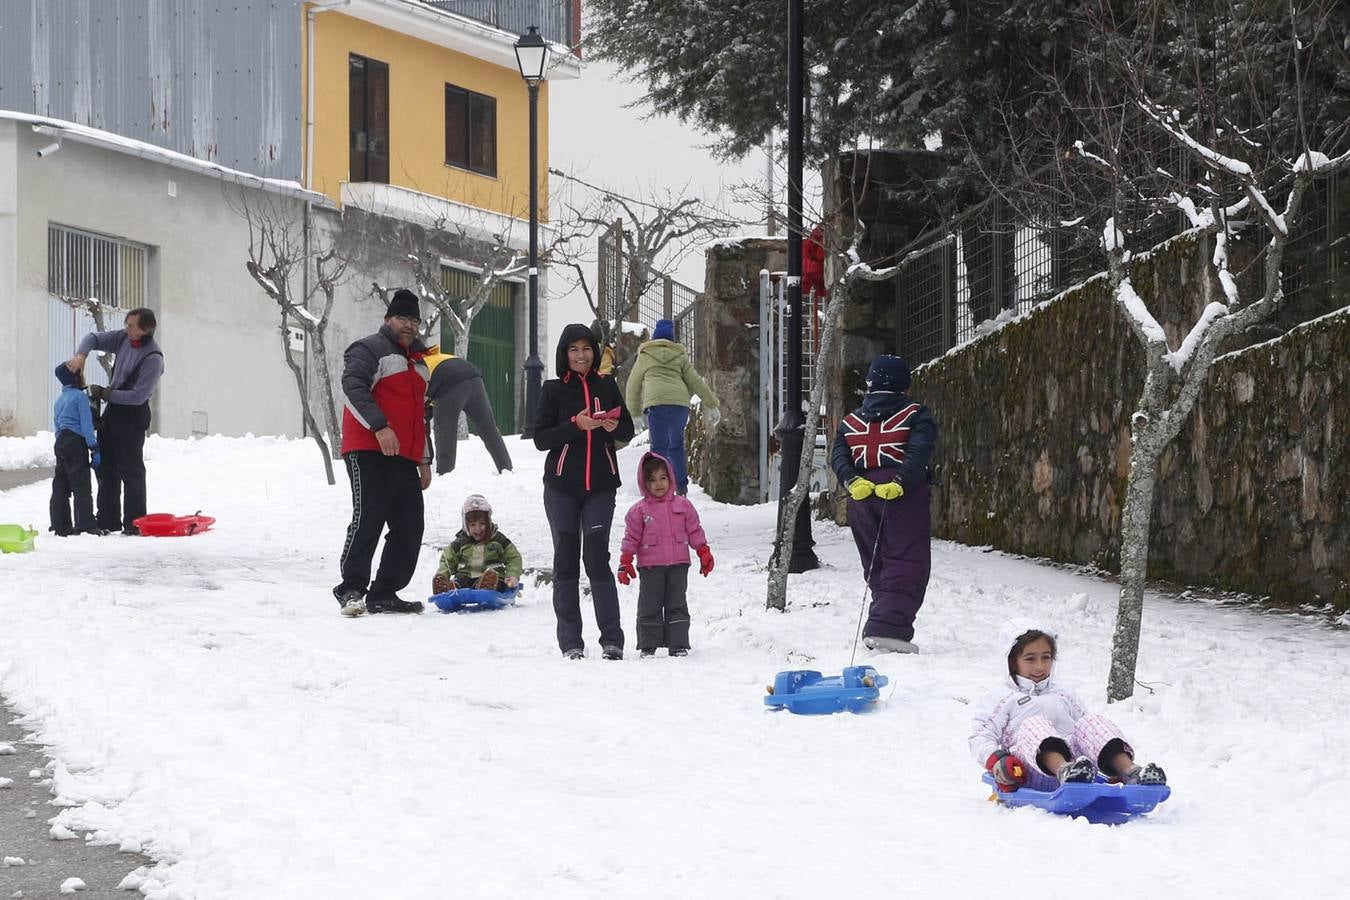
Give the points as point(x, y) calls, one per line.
point(659, 532)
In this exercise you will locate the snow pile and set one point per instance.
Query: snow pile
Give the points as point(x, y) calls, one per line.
point(205, 702)
point(28, 452)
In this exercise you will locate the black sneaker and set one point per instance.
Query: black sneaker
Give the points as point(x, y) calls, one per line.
point(646, 654)
point(392, 604)
point(574, 653)
point(610, 651)
point(1078, 771)
point(679, 651)
point(352, 602)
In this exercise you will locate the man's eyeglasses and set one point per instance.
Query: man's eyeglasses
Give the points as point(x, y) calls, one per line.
point(409, 320)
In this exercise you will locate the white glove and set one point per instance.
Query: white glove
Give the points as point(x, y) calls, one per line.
point(640, 421)
point(713, 416)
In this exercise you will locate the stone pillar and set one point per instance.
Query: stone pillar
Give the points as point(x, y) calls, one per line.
point(725, 459)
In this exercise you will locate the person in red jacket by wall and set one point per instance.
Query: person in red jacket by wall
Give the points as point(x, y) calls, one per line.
point(813, 264)
point(384, 444)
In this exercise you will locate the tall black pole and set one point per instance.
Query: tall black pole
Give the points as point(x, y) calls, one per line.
point(791, 431)
point(534, 366)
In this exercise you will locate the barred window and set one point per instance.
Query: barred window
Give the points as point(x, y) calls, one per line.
point(82, 265)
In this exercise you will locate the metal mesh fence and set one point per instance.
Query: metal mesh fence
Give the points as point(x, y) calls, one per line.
point(993, 262)
point(662, 297)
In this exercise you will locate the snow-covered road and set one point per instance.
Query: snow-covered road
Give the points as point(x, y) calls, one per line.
point(206, 703)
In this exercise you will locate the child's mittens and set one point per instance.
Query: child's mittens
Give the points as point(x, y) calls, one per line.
point(1008, 771)
point(626, 571)
point(705, 560)
point(860, 488)
point(890, 490)
point(95, 459)
point(441, 584)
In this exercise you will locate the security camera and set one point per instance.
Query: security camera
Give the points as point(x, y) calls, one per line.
point(49, 149)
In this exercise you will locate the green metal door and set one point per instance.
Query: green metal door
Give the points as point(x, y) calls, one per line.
point(492, 342)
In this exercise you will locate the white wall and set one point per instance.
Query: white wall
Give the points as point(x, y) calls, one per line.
point(222, 352)
point(9, 330)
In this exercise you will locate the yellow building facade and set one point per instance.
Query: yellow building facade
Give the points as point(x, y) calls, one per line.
point(419, 72)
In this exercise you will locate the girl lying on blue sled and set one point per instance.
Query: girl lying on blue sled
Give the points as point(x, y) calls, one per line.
point(1032, 731)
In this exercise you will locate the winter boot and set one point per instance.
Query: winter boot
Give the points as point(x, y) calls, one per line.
point(488, 581)
point(1149, 774)
point(574, 653)
point(889, 645)
point(646, 654)
point(679, 651)
point(352, 602)
point(1078, 770)
point(392, 604)
point(610, 651)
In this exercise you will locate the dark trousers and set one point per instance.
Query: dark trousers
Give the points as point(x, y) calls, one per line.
point(662, 610)
point(71, 480)
point(469, 396)
point(580, 527)
point(899, 530)
point(121, 476)
point(386, 490)
point(666, 423)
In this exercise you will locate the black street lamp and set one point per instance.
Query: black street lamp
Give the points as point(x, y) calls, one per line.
point(532, 58)
point(792, 430)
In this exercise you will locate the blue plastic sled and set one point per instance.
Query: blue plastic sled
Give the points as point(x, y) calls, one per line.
point(1099, 802)
point(808, 693)
point(474, 599)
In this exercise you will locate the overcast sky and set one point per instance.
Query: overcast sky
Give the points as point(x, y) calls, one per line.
point(595, 136)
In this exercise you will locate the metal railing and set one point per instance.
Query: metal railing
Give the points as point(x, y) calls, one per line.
point(994, 261)
point(552, 17)
point(662, 297)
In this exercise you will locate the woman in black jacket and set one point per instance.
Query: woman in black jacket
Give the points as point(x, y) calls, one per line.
point(579, 418)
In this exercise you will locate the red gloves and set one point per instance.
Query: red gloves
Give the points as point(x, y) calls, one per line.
point(1007, 770)
point(626, 571)
point(705, 560)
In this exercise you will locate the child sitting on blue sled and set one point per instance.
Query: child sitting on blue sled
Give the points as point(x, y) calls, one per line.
point(480, 556)
point(1032, 731)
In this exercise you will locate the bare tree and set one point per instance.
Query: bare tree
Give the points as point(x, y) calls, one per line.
point(653, 232)
point(277, 257)
point(1231, 163)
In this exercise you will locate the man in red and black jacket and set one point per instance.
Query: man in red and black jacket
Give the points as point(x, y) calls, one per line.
point(579, 418)
point(384, 444)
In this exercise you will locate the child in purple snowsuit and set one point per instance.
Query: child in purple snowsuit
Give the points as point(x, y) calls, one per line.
point(881, 455)
point(1032, 731)
point(659, 530)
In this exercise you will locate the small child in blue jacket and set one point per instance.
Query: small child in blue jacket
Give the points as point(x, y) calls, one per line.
point(73, 422)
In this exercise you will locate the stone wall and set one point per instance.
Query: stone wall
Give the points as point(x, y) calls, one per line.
point(1253, 495)
point(724, 460)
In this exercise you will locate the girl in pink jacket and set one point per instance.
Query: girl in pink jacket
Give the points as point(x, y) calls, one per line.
point(1032, 731)
point(659, 530)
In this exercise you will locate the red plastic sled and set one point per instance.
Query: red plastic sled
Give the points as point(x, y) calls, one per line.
point(169, 525)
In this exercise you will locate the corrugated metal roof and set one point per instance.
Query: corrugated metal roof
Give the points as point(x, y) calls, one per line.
point(217, 81)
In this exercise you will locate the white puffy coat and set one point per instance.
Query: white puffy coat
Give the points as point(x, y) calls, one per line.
point(1004, 709)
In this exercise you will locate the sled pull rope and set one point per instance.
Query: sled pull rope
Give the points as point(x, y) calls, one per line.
point(867, 587)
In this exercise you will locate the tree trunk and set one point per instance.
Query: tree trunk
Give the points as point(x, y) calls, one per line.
point(305, 410)
point(787, 530)
point(326, 385)
point(1135, 527)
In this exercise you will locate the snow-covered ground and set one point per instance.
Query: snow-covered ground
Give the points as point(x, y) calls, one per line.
point(207, 704)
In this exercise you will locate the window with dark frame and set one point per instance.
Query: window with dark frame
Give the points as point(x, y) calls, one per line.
point(368, 114)
point(470, 130)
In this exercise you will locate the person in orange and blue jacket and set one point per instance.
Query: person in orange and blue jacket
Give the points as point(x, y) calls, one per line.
point(385, 447)
point(579, 419)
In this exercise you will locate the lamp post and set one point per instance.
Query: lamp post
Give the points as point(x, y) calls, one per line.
point(791, 431)
point(532, 58)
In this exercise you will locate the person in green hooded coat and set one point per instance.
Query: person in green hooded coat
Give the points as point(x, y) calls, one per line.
point(660, 384)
